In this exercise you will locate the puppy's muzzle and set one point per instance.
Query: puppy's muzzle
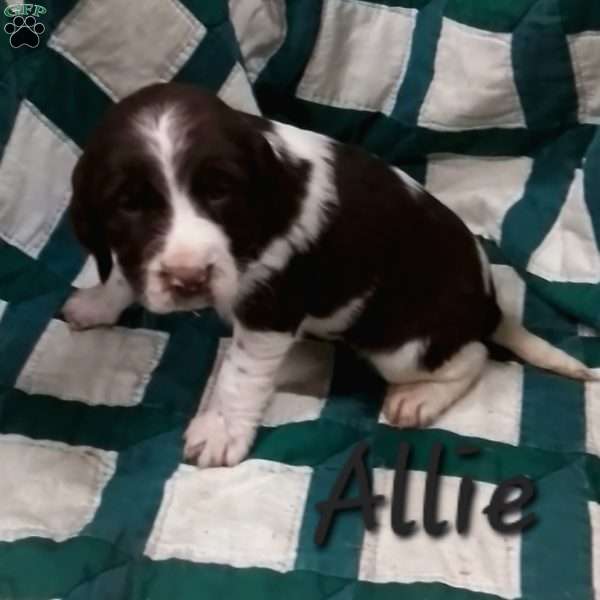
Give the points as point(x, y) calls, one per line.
point(186, 282)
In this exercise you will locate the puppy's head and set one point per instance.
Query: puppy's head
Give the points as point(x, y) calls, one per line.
point(174, 185)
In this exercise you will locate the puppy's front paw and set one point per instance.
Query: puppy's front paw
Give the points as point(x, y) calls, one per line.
point(89, 308)
point(212, 441)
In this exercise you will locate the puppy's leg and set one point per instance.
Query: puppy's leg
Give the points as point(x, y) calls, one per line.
point(101, 304)
point(222, 432)
point(416, 397)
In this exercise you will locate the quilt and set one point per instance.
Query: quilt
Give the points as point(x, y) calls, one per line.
point(493, 105)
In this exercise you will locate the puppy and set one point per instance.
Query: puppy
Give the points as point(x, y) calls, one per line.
point(187, 203)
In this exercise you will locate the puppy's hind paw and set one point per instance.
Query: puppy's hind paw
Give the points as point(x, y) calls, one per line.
point(414, 405)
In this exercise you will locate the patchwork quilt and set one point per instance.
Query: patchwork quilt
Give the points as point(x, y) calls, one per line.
point(494, 105)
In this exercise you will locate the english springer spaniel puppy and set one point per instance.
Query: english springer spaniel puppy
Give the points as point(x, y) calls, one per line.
point(187, 203)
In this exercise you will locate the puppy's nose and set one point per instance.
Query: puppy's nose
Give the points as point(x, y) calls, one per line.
point(186, 281)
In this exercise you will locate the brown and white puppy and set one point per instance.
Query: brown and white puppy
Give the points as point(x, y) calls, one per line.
point(185, 203)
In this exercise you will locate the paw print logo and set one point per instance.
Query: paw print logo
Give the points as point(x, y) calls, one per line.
point(24, 31)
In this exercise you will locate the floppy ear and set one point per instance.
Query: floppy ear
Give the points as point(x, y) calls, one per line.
point(86, 216)
point(275, 176)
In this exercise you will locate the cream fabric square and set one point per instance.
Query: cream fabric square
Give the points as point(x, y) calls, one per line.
point(302, 383)
point(237, 91)
point(569, 251)
point(592, 416)
point(594, 509)
point(585, 57)
point(246, 516)
point(480, 190)
point(123, 46)
point(360, 58)
point(49, 489)
point(35, 180)
point(260, 27)
point(110, 366)
point(481, 561)
point(473, 84)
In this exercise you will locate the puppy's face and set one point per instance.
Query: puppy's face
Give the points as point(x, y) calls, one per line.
point(167, 228)
point(166, 188)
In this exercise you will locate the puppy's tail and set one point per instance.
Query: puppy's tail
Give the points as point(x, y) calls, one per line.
point(539, 352)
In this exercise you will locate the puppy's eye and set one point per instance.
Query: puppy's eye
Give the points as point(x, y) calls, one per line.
point(214, 184)
point(138, 197)
point(130, 203)
point(211, 185)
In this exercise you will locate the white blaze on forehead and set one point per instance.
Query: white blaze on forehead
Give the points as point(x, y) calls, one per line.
point(190, 239)
point(292, 143)
point(162, 131)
